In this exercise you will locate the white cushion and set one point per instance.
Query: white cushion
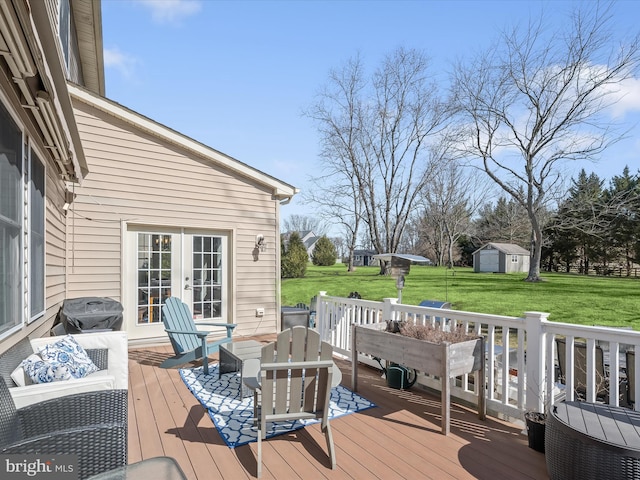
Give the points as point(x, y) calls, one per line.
point(65, 354)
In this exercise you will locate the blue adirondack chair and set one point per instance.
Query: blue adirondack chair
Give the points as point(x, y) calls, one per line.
point(188, 342)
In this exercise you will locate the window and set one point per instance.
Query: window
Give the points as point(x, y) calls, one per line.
point(514, 258)
point(64, 27)
point(11, 172)
point(22, 227)
point(36, 235)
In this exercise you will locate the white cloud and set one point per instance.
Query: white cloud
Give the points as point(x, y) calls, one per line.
point(125, 64)
point(171, 11)
point(627, 98)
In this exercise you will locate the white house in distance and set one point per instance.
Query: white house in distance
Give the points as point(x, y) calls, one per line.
point(501, 258)
point(98, 200)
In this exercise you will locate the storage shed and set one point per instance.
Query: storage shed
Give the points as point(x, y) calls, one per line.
point(501, 258)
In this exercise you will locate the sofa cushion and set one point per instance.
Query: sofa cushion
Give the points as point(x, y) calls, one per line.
point(68, 353)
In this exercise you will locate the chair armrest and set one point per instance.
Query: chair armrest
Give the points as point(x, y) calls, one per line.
point(229, 326)
point(71, 411)
point(30, 394)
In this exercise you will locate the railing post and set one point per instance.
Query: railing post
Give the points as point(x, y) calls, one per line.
point(321, 321)
point(388, 312)
point(536, 361)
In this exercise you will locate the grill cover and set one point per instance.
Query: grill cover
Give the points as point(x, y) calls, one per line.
point(80, 315)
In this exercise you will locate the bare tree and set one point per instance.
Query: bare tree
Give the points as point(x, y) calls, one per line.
point(303, 223)
point(535, 101)
point(374, 135)
point(452, 199)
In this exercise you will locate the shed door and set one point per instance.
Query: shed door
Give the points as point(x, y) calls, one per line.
point(489, 261)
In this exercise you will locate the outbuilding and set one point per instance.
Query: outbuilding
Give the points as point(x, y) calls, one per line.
point(501, 258)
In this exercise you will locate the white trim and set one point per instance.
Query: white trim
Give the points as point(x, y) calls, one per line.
point(281, 190)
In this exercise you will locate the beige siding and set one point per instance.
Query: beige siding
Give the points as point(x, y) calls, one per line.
point(136, 178)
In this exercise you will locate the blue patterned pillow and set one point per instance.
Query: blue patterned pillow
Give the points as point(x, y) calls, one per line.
point(40, 371)
point(70, 354)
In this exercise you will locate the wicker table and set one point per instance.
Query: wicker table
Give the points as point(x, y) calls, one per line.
point(592, 441)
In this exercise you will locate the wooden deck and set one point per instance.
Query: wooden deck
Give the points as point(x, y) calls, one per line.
point(400, 438)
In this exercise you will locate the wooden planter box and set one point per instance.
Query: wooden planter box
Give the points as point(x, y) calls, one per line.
point(446, 360)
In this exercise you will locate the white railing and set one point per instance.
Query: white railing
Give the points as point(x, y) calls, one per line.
point(521, 358)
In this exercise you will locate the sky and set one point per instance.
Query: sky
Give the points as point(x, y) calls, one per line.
point(238, 75)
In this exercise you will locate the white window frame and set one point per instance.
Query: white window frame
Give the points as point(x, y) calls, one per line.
point(31, 264)
point(26, 267)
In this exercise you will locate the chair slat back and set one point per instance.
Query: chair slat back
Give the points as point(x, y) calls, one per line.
point(297, 389)
point(177, 316)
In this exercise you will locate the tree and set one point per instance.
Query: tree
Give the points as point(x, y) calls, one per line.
point(534, 102)
point(450, 202)
point(302, 223)
point(504, 222)
point(374, 135)
point(294, 258)
point(324, 253)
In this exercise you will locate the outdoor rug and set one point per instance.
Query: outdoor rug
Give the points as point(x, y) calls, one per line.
point(233, 415)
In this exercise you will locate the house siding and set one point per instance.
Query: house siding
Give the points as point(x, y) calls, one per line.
point(140, 179)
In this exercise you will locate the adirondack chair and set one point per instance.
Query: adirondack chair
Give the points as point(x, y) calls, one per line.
point(294, 383)
point(188, 342)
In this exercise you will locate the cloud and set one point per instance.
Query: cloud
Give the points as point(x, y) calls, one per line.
point(627, 95)
point(125, 64)
point(171, 11)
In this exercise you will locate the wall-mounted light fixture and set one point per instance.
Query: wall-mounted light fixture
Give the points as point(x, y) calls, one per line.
point(261, 243)
point(69, 197)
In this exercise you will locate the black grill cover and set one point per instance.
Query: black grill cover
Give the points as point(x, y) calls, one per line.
point(81, 315)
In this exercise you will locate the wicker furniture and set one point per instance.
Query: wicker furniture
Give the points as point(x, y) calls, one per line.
point(108, 350)
point(592, 441)
point(91, 425)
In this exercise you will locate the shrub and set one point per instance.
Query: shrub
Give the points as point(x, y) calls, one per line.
point(324, 253)
point(294, 258)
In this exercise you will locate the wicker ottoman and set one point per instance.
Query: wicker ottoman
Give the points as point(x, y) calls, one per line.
point(592, 441)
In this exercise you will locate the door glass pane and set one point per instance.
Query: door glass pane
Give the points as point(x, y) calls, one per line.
point(154, 275)
point(207, 277)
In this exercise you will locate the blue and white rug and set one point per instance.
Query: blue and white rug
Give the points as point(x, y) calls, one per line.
point(233, 415)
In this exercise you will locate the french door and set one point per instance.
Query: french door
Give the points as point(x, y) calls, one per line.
point(187, 264)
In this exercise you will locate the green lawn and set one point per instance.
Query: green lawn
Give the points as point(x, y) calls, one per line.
point(567, 298)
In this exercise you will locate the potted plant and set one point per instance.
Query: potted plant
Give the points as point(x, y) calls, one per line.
point(535, 422)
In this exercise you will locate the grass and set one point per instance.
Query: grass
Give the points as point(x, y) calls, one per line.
point(605, 301)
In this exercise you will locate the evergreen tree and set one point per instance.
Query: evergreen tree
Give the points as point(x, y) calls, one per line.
point(324, 253)
point(294, 259)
